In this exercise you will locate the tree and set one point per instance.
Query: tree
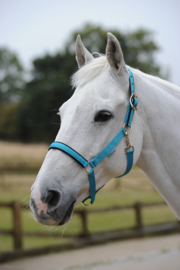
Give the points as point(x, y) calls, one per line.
point(9, 121)
point(11, 77)
point(43, 95)
point(11, 90)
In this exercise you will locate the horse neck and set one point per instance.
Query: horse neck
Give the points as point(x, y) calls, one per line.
point(159, 112)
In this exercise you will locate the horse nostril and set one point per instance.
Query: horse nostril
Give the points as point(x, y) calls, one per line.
point(52, 199)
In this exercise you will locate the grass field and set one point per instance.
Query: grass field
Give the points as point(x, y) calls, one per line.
point(21, 157)
point(15, 185)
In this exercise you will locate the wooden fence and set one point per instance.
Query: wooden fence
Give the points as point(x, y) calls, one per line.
point(17, 233)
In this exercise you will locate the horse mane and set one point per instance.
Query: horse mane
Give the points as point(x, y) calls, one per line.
point(99, 64)
point(89, 71)
point(157, 80)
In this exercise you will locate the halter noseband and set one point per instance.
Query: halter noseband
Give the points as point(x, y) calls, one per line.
point(89, 166)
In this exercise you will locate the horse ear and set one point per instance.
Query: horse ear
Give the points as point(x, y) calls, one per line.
point(83, 56)
point(114, 54)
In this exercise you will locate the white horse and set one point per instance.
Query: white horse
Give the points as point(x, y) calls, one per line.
point(92, 117)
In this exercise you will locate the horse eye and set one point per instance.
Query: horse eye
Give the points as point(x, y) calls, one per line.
point(102, 116)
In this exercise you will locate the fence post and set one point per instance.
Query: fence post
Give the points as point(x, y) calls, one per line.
point(138, 212)
point(17, 230)
point(85, 231)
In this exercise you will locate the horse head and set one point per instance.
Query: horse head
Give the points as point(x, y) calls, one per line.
point(90, 119)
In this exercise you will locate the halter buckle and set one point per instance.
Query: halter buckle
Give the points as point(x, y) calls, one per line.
point(132, 106)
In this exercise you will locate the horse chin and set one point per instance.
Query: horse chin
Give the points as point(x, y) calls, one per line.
point(67, 215)
point(56, 218)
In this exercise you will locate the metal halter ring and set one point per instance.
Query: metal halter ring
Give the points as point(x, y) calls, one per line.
point(127, 132)
point(86, 167)
point(132, 106)
point(86, 204)
point(85, 171)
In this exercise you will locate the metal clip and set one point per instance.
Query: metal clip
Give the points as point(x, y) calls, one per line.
point(129, 146)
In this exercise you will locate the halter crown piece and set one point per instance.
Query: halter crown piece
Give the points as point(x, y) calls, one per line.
point(132, 106)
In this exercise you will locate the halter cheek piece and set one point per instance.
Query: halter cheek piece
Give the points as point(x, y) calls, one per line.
point(89, 166)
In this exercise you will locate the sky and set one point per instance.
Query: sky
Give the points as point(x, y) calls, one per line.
point(32, 28)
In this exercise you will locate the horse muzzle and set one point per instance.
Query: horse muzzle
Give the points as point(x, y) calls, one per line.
point(48, 208)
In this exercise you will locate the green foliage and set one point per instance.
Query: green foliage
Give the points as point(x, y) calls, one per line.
point(11, 91)
point(49, 88)
point(8, 123)
point(11, 77)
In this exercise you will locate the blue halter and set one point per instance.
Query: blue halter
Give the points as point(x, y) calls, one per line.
point(132, 106)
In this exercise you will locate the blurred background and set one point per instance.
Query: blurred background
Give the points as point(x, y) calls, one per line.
point(37, 59)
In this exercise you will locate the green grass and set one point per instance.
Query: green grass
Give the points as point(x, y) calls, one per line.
point(27, 165)
point(20, 157)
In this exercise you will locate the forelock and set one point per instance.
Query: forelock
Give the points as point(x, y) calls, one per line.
point(89, 71)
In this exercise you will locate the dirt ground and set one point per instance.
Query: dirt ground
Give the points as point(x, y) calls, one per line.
point(157, 253)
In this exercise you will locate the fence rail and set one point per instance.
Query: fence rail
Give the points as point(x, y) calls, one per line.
point(17, 233)
point(84, 238)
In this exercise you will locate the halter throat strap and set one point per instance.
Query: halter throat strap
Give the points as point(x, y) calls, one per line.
point(90, 165)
